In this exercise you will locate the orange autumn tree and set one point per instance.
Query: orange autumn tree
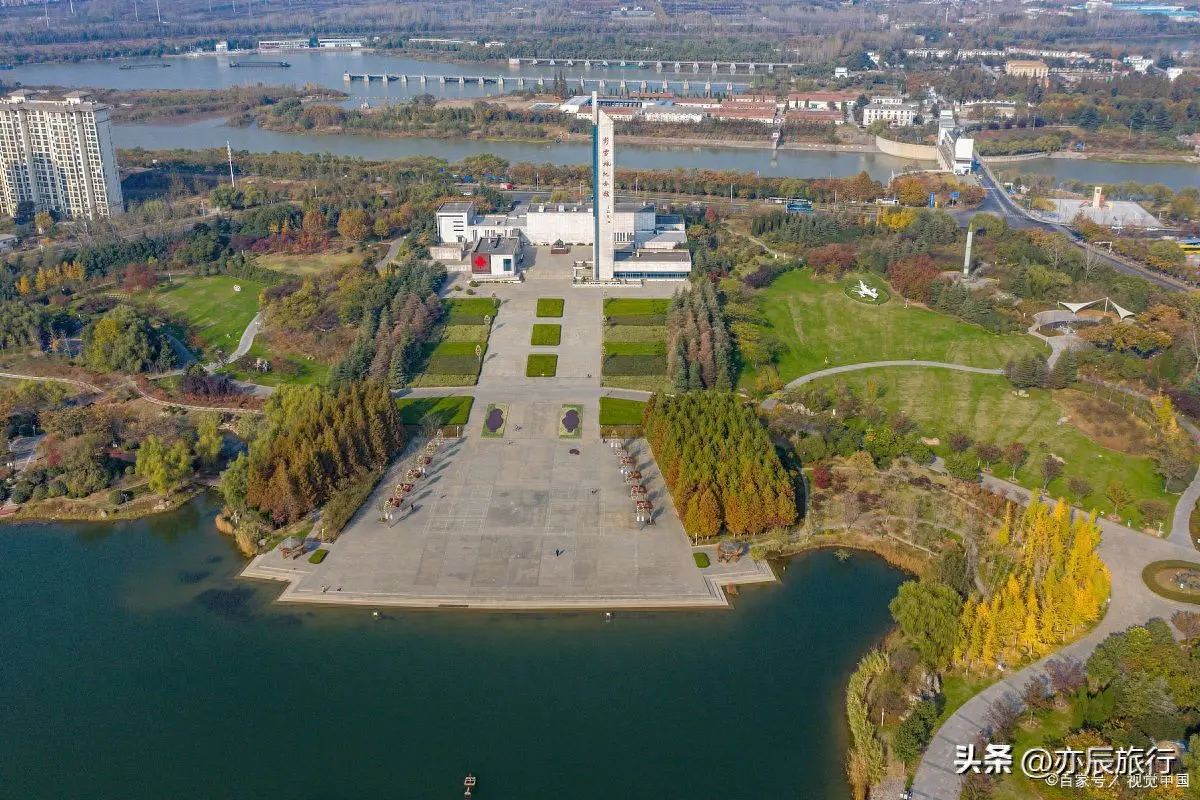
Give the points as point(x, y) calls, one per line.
point(1055, 586)
point(719, 464)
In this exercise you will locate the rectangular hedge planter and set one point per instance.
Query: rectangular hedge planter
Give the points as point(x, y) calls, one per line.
point(550, 306)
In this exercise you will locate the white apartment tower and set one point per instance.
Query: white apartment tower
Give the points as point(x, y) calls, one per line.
point(59, 155)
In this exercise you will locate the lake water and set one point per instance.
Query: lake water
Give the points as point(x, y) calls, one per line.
point(326, 69)
point(136, 666)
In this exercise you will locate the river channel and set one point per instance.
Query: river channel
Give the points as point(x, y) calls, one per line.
point(137, 666)
point(327, 69)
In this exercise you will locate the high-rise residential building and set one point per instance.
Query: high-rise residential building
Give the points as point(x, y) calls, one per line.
point(58, 154)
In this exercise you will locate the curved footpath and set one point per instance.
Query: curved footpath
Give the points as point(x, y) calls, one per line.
point(1125, 552)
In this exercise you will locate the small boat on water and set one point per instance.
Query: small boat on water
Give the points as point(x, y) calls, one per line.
point(276, 64)
point(468, 784)
point(144, 66)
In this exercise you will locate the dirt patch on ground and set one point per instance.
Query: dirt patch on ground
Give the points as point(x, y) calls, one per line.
point(1185, 580)
point(1105, 423)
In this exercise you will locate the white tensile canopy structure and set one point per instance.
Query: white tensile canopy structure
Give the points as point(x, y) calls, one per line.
point(1075, 308)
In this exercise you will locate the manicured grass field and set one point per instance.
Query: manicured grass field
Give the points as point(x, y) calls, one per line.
point(213, 310)
point(471, 310)
point(635, 333)
point(452, 347)
point(655, 348)
point(550, 307)
point(466, 333)
point(308, 372)
point(616, 411)
point(453, 410)
point(541, 366)
point(546, 335)
point(304, 265)
point(815, 321)
point(635, 306)
point(941, 401)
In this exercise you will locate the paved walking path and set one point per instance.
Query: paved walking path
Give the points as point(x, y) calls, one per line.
point(771, 402)
point(1125, 552)
point(243, 347)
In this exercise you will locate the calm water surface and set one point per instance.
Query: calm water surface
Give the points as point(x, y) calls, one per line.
point(214, 133)
point(136, 666)
point(326, 69)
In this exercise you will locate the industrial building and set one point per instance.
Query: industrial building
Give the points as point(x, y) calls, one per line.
point(58, 155)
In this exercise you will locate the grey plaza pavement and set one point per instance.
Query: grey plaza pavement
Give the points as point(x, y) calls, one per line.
point(519, 522)
point(527, 521)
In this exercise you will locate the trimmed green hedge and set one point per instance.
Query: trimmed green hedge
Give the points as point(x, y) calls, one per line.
point(318, 556)
point(701, 558)
point(541, 366)
point(550, 306)
point(617, 411)
point(635, 365)
point(1162, 591)
point(545, 335)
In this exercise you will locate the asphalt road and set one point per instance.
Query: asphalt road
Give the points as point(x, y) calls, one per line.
point(998, 202)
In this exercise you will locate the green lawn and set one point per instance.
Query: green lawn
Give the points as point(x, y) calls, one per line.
point(453, 410)
point(656, 348)
point(941, 401)
point(304, 265)
point(541, 366)
point(635, 306)
point(307, 372)
point(616, 411)
point(820, 326)
point(546, 335)
point(471, 307)
point(213, 310)
point(550, 306)
point(449, 346)
point(1052, 725)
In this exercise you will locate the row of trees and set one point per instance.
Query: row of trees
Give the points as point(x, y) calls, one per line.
point(316, 438)
point(699, 354)
point(719, 464)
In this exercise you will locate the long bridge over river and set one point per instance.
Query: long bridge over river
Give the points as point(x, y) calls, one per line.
point(602, 85)
point(695, 67)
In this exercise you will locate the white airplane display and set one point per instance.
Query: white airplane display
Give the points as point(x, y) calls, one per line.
point(866, 291)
